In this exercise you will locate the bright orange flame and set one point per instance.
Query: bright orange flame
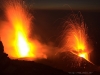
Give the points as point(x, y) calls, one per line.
point(83, 55)
point(20, 21)
point(24, 47)
point(76, 38)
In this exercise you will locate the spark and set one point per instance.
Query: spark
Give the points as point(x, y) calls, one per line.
point(76, 38)
point(19, 22)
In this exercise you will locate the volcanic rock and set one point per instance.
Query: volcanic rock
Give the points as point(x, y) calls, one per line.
point(21, 67)
point(71, 63)
point(4, 60)
point(60, 64)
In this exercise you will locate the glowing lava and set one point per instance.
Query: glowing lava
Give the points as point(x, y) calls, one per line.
point(19, 24)
point(76, 37)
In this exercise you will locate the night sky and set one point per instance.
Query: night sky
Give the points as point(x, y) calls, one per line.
point(64, 4)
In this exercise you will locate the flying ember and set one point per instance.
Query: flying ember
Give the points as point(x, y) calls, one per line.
point(18, 30)
point(76, 38)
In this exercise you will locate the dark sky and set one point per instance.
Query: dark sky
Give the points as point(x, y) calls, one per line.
point(64, 4)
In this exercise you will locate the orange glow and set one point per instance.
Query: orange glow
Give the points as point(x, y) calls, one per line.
point(23, 46)
point(19, 26)
point(15, 33)
point(83, 55)
point(76, 37)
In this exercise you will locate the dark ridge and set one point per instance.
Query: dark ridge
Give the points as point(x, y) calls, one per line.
point(30, 67)
point(59, 65)
point(70, 63)
point(17, 67)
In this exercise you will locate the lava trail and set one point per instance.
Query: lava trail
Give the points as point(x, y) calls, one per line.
point(76, 39)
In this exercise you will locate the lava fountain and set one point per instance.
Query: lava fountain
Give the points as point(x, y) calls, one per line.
point(18, 28)
point(76, 38)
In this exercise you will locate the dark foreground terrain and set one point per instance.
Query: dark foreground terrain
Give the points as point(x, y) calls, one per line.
point(21, 67)
point(59, 65)
point(55, 65)
point(16, 67)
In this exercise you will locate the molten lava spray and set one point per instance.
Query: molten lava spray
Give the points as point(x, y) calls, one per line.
point(16, 31)
point(76, 38)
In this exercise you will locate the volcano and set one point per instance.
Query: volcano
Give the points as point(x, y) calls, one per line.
point(59, 65)
point(71, 65)
point(47, 67)
point(8, 66)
